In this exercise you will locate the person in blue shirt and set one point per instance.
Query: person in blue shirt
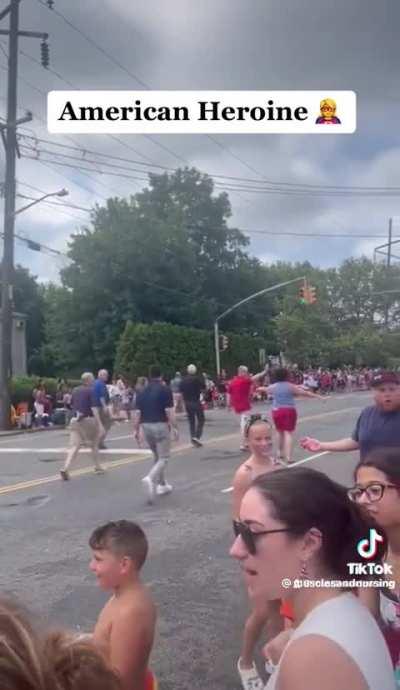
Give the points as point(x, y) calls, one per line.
point(155, 413)
point(101, 402)
point(378, 425)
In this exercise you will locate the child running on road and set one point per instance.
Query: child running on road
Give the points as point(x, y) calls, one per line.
point(126, 625)
point(259, 434)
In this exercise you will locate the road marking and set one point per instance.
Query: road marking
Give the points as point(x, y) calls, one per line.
point(110, 451)
point(31, 483)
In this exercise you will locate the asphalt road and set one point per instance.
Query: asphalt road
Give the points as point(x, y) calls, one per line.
point(201, 600)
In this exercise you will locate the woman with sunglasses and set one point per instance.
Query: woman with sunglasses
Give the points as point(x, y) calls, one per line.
point(377, 489)
point(296, 524)
point(259, 438)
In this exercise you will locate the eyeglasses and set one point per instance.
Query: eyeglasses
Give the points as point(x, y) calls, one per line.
point(242, 530)
point(373, 491)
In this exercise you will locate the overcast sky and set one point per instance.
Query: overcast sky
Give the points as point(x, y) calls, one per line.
point(222, 44)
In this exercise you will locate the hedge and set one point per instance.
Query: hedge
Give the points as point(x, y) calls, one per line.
point(23, 386)
point(174, 347)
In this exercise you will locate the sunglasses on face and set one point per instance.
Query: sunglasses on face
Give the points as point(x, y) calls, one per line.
point(249, 538)
point(373, 491)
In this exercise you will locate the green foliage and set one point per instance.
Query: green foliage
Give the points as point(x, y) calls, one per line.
point(167, 255)
point(174, 347)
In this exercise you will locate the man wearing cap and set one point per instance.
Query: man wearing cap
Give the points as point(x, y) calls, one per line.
point(378, 426)
point(191, 388)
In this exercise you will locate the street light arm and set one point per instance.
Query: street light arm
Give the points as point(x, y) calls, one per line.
point(62, 192)
point(258, 294)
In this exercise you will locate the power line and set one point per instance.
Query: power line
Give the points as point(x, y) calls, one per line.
point(230, 178)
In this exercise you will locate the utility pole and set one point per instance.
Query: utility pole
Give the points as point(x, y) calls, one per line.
point(7, 273)
point(9, 136)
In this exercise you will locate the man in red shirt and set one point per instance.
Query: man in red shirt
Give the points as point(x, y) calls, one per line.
point(239, 397)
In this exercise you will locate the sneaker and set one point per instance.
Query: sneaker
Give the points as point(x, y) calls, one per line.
point(99, 470)
point(163, 489)
point(64, 475)
point(250, 677)
point(196, 442)
point(150, 488)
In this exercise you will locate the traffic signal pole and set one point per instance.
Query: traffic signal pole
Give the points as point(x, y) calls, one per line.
point(239, 304)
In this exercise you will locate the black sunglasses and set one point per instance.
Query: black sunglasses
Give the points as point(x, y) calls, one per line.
point(242, 530)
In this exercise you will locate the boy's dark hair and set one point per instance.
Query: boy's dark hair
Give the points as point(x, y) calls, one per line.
point(303, 498)
point(155, 372)
point(122, 538)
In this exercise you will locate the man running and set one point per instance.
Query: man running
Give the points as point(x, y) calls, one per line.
point(85, 425)
point(191, 387)
point(155, 412)
point(239, 397)
point(378, 425)
point(101, 401)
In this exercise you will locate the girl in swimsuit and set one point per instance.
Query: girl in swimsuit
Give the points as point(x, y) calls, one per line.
point(259, 435)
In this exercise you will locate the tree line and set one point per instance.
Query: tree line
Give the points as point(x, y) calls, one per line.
point(168, 254)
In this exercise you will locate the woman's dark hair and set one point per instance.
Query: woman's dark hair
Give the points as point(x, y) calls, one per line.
point(278, 375)
point(303, 498)
point(386, 460)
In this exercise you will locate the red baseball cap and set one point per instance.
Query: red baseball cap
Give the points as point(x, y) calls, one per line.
point(382, 377)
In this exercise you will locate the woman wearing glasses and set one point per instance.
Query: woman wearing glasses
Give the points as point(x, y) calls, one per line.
point(377, 489)
point(295, 525)
point(259, 437)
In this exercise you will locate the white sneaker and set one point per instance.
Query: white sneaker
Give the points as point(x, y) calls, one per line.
point(250, 677)
point(163, 489)
point(150, 488)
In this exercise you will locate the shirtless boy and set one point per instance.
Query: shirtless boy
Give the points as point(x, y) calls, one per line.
point(125, 628)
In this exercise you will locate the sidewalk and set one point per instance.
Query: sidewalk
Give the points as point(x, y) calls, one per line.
point(19, 432)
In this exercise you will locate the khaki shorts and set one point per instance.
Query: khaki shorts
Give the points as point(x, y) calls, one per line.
point(84, 431)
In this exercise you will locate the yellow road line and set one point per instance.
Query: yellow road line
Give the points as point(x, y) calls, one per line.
point(31, 483)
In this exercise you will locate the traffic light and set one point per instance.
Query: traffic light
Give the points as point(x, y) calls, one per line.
point(45, 54)
point(224, 342)
point(303, 294)
point(312, 295)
